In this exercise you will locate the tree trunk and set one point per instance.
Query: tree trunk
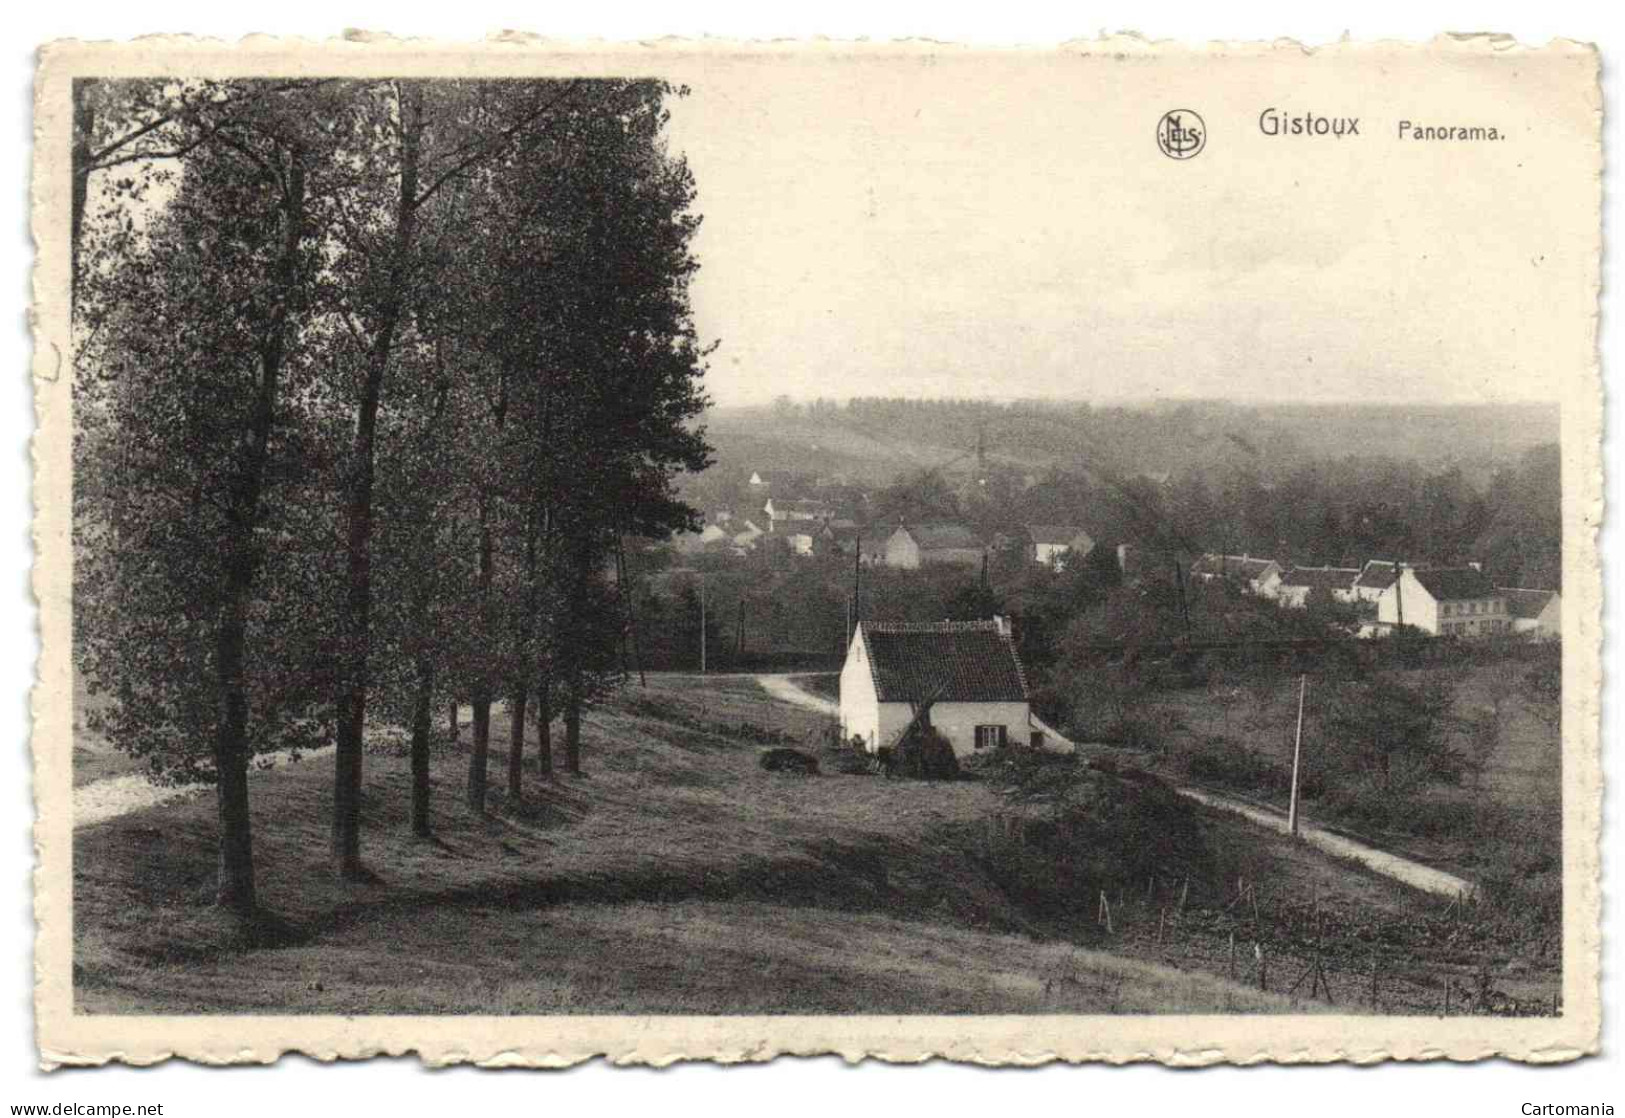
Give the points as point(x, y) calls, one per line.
point(451, 720)
point(354, 649)
point(234, 886)
point(572, 724)
point(516, 743)
point(84, 130)
point(479, 759)
point(544, 723)
point(422, 713)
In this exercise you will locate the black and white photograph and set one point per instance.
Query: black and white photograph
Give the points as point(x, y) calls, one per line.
point(795, 535)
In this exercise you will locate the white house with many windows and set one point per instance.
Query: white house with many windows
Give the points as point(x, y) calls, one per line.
point(1446, 602)
point(969, 668)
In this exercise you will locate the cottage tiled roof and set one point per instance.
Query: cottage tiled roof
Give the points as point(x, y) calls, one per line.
point(1527, 604)
point(931, 537)
point(1377, 574)
point(1320, 578)
point(1231, 566)
point(972, 661)
point(1456, 584)
point(807, 505)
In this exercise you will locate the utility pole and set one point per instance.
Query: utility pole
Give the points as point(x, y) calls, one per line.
point(702, 624)
point(1184, 609)
point(855, 614)
point(1297, 756)
point(1399, 591)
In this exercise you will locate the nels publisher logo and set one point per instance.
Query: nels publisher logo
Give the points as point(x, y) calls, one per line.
point(1181, 134)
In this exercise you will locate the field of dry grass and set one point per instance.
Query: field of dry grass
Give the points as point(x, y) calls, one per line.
point(677, 876)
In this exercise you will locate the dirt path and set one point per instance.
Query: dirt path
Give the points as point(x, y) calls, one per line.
point(1414, 874)
point(1402, 869)
point(102, 800)
point(782, 688)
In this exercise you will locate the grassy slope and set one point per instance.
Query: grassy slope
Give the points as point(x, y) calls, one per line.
point(675, 878)
point(1523, 772)
point(94, 757)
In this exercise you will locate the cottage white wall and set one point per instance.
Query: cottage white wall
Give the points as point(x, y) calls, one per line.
point(860, 706)
point(1292, 597)
point(1551, 619)
point(957, 722)
point(1048, 553)
point(902, 552)
point(1418, 605)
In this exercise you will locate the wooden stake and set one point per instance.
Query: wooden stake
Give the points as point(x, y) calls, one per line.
point(1184, 893)
point(1263, 967)
point(1373, 980)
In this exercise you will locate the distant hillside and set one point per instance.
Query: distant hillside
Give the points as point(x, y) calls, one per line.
point(874, 440)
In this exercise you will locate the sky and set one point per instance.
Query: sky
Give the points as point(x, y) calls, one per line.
point(1006, 226)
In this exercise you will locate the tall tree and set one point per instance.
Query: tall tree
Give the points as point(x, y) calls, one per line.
point(195, 542)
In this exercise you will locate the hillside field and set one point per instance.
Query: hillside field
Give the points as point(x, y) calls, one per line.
point(676, 876)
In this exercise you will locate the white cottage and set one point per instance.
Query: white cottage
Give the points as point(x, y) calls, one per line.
point(970, 667)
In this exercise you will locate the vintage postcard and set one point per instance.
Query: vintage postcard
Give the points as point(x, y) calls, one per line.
point(706, 551)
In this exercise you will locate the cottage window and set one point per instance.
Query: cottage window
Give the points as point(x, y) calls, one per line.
point(991, 737)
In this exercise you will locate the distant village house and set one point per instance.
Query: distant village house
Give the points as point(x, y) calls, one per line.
point(1334, 584)
point(1537, 614)
point(1261, 576)
point(1445, 601)
point(1057, 544)
point(916, 545)
point(787, 511)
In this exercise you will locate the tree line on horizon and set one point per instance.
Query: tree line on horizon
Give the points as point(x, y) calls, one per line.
point(372, 378)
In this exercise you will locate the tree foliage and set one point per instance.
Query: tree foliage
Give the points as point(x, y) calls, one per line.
point(374, 377)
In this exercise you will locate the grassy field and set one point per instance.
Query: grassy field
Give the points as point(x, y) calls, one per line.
point(1510, 807)
point(679, 877)
point(94, 757)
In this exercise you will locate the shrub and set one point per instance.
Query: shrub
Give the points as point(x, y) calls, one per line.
point(1105, 832)
point(1228, 764)
point(784, 759)
point(925, 755)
